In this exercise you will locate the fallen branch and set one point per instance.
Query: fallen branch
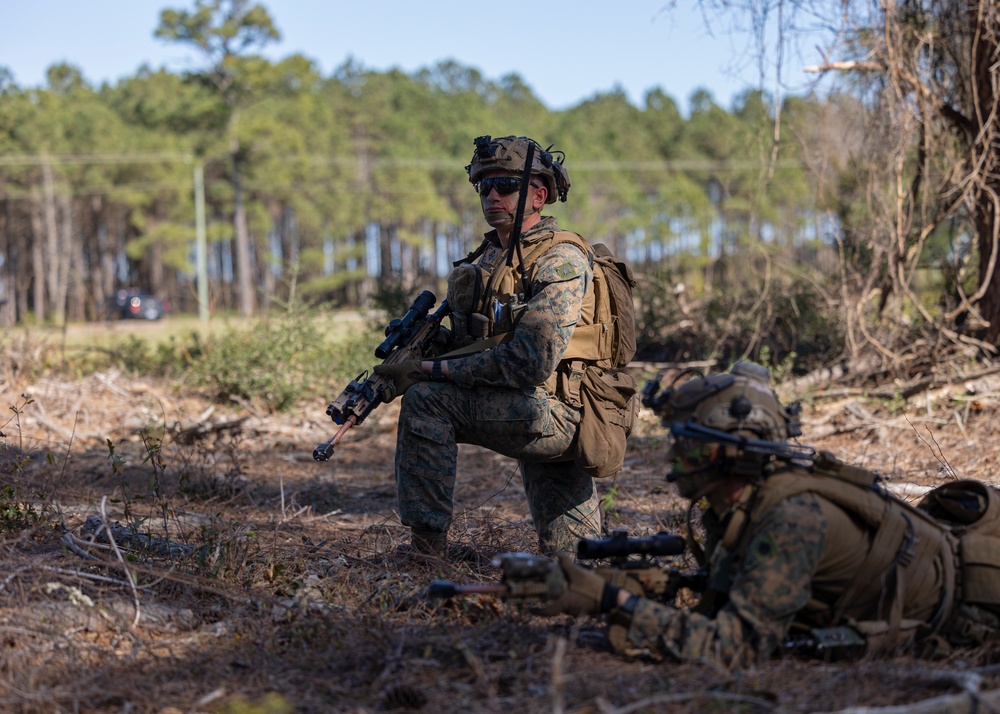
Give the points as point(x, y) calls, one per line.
point(67, 540)
point(964, 703)
point(605, 707)
point(202, 429)
point(128, 573)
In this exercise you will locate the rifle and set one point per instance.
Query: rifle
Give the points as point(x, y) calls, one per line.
point(779, 449)
point(525, 578)
point(533, 579)
point(407, 338)
point(529, 578)
point(643, 576)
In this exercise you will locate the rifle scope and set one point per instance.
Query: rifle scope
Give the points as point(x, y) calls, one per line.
point(619, 545)
point(398, 330)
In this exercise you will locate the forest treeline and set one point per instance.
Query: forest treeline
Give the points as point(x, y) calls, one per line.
point(778, 230)
point(355, 183)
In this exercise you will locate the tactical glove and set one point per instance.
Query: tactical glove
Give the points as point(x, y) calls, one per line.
point(403, 375)
point(585, 593)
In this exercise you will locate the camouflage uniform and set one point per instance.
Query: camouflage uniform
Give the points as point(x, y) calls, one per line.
point(798, 541)
point(790, 570)
point(496, 399)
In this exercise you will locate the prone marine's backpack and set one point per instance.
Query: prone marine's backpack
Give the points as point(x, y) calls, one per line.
point(953, 530)
point(971, 510)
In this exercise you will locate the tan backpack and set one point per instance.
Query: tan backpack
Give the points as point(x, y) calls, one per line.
point(908, 545)
point(607, 396)
point(971, 510)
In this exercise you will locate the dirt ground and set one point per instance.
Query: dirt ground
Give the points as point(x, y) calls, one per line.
point(250, 578)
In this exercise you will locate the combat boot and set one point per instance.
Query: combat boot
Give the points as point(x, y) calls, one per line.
point(428, 542)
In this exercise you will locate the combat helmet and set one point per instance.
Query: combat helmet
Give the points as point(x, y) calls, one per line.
point(740, 400)
point(508, 154)
point(739, 411)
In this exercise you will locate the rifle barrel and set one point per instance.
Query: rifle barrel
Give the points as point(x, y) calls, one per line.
point(324, 451)
point(448, 589)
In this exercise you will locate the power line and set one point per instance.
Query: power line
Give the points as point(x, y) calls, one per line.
point(42, 159)
point(392, 162)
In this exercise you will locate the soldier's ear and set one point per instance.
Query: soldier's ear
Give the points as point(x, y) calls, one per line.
point(539, 196)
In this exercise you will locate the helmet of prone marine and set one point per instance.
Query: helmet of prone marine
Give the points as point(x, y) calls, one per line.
point(508, 153)
point(705, 412)
point(740, 400)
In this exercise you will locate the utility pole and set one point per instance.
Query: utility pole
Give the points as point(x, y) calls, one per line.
point(201, 251)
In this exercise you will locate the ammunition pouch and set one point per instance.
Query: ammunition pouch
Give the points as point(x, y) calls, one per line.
point(465, 291)
point(609, 407)
point(979, 570)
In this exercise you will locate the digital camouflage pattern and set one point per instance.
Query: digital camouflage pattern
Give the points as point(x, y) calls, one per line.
point(767, 588)
point(798, 566)
point(495, 399)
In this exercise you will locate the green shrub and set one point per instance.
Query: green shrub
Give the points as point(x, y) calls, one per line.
point(349, 357)
point(273, 360)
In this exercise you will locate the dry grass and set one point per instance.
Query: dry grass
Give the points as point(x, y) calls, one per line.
point(287, 589)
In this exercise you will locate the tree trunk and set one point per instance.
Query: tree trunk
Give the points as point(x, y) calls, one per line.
point(989, 306)
point(385, 256)
point(51, 241)
point(365, 287)
point(985, 152)
point(64, 257)
point(80, 276)
point(38, 263)
point(241, 235)
point(267, 265)
point(8, 276)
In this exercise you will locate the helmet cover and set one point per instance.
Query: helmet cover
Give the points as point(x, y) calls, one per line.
point(740, 400)
point(508, 153)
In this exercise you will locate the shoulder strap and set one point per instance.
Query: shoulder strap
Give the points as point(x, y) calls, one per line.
point(478, 346)
point(473, 255)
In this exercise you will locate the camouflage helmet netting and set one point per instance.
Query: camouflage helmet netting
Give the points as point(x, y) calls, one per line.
point(508, 154)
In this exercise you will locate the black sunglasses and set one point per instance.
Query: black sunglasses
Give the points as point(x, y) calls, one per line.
point(504, 185)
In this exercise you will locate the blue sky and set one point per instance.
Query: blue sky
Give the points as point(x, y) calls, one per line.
point(566, 51)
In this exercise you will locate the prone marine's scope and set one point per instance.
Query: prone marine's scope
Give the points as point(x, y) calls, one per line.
point(619, 545)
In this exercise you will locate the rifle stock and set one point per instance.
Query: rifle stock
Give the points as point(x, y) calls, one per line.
point(407, 338)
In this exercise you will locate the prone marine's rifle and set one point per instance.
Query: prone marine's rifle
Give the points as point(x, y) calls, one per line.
point(407, 338)
point(530, 579)
point(534, 579)
point(779, 449)
point(662, 403)
point(642, 576)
